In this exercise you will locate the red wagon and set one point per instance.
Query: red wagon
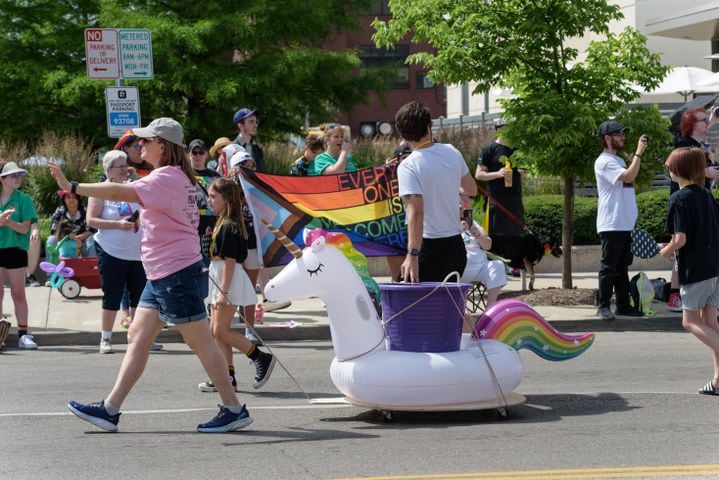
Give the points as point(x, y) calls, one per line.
point(86, 275)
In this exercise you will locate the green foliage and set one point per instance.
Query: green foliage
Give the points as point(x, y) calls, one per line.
point(543, 216)
point(210, 58)
point(559, 100)
point(652, 207)
point(79, 165)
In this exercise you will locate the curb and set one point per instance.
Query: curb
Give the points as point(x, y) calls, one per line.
point(657, 323)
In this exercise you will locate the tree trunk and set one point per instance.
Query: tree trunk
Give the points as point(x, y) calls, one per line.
point(567, 231)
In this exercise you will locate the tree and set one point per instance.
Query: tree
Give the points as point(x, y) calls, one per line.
point(210, 58)
point(558, 100)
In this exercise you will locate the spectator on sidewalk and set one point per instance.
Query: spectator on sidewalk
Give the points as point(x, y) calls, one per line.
point(17, 213)
point(430, 181)
point(130, 144)
point(204, 177)
point(313, 147)
point(336, 158)
point(246, 122)
point(72, 209)
point(616, 217)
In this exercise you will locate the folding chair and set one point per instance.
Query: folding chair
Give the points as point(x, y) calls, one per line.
point(477, 298)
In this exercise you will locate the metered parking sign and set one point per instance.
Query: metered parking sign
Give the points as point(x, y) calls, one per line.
point(123, 110)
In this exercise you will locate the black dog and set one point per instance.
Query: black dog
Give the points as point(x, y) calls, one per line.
point(524, 251)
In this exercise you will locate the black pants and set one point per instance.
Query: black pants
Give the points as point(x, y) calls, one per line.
point(439, 257)
point(614, 269)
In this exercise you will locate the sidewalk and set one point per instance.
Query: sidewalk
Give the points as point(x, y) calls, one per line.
point(57, 321)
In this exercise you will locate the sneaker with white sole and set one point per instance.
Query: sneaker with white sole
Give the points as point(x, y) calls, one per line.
point(27, 342)
point(210, 387)
point(105, 346)
point(264, 364)
point(251, 335)
point(226, 421)
point(96, 414)
point(156, 347)
point(675, 302)
point(268, 306)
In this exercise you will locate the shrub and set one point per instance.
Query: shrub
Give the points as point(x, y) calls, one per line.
point(79, 164)
point(543, 215)
point(652, 208)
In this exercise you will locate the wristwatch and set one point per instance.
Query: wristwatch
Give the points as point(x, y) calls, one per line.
point(73, 188)
point(414, 252)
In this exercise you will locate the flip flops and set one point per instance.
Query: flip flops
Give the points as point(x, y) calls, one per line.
point(709, 389)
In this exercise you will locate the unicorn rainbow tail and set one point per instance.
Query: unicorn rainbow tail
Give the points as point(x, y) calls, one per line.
point(517, 324)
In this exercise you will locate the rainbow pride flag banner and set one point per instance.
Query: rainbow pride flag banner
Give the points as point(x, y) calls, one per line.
point(364, 205)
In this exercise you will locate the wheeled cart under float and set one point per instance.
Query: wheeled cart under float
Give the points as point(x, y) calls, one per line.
point(86, 275)
point(404, 362)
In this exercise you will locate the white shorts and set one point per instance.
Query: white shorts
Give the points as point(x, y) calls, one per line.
point(492, 273)
point(251, 262)
point(696, 296)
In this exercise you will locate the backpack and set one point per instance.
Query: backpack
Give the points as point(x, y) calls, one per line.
point(641, 293)
point(662, 289)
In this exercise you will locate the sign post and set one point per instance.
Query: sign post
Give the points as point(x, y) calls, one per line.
point(119, 54)
point(123, 110)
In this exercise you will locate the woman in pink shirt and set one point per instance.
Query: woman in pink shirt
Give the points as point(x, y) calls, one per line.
point(177, 280)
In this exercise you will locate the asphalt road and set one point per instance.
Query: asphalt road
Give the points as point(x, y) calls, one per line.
point(627, 408)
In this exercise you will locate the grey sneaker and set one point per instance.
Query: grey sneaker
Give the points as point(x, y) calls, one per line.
point(105, 346)
point(26, 342)
point(209, 387)
point(156, 347)
point(605, 313)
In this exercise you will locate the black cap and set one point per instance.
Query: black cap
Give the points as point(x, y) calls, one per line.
point(197, 143)
point(610, 127)
point(402, 150)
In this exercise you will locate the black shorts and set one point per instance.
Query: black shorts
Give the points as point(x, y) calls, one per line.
point(13, 257)
point(439, 257)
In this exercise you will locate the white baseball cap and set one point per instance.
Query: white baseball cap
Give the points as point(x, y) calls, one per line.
point(239, 158)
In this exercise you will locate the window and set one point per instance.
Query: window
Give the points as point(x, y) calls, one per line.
point(377, 7)
point(422, 80)
point(391, 60)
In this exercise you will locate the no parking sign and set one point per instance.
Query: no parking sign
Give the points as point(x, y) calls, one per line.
point(123, 110)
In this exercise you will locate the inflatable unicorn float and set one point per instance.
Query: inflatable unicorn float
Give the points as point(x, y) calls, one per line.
point(481, 374)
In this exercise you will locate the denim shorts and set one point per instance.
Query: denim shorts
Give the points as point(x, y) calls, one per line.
point(179, 297)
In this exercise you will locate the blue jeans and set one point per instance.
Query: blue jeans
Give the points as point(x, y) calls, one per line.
point(179, 297)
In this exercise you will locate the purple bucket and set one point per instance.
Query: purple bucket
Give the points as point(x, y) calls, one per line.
point(433, 324)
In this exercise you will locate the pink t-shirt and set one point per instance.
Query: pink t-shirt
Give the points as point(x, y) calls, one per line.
point(169, 220)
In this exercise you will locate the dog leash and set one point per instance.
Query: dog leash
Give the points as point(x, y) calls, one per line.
point(504, 209)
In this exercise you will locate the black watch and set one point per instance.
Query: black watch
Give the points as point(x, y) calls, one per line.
point(414, 252)
point(73, 188)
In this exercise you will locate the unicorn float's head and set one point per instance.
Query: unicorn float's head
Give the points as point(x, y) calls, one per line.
point(329, 268)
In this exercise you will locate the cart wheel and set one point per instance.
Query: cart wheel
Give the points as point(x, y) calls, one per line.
point(386, 415)
point(70, 289)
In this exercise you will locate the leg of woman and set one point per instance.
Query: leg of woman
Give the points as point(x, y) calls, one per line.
point(16, 279)
point(145, 327)
point(250, 309)
point(215, 321)
point(224, 334)
point(492, 294)
point(2, 290)
point(33, 258)
point(709, 318)
point(198, 337)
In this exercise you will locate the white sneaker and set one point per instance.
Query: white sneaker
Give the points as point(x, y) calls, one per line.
point(105, 346)
point(268, 306)
point(27, 343)
point(156, 347)
point(252, 336)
